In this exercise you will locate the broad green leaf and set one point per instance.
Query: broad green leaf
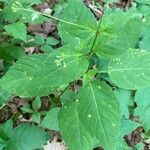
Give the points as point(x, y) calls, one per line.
point(77, 27)
point(51, 120)
point(38, 75)
point(9, 52)
point(26, 137)
point(18, 30)
point(124, 98)
point(73, 131)
point(142, 99)
point(4, 96)
point(115, 37)
point(131, 70)
point(93, 120)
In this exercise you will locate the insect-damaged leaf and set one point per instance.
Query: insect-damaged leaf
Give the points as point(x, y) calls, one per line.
point(38, 75)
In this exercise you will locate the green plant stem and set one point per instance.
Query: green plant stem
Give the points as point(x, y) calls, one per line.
point(97, 32)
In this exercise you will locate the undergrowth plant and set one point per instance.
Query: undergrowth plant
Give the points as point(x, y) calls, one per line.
point(108, 59)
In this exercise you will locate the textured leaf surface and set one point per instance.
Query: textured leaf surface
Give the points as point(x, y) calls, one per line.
point(38, 75)
point(18, 30)
point(93, 120)
point(131, 70)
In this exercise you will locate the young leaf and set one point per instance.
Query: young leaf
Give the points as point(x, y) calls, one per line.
point(40, 74)
point(131, 70)
point(18, 30)
point(36, 117)
point(93, 120)
point(36, 103)
point(51, 120)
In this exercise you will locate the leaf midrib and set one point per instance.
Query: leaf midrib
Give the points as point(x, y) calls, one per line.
point(99, 115)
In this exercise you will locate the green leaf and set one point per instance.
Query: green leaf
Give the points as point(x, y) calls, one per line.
point(68, 97)
point(18, 30)
point(143, 1)
point(36, 117)
point(51, 120)
point(116, 38)
point(46, 48)
point(39, 40)
point(9, 52)
point(52, 41)
point(26, 137)
point(93, 120)
point(29, 2)
point(6, 130)
point(126, 127)
point(40, 74)
point(4, 96)
point(144, 43)
point(77, 27)
point(131, 70)
point(36, 103)
point(124, 98)
point(140, 146)
point(143, 106)
point(122, 145)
